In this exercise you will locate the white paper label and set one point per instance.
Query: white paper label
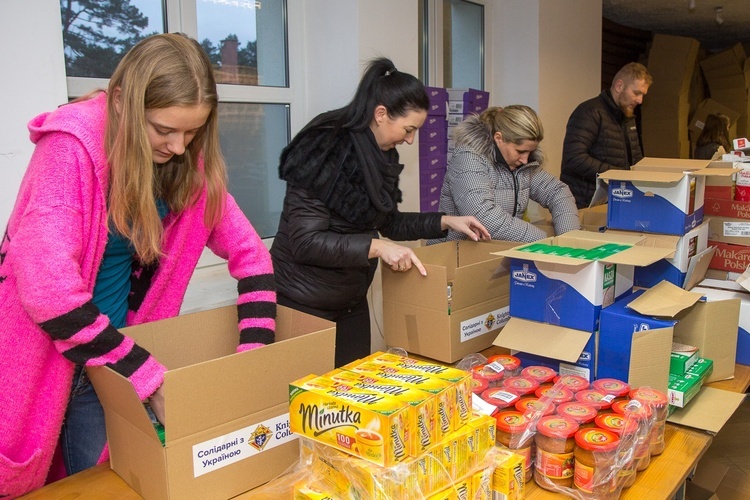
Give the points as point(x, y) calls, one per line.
point(482, 406)
point(219, 452)
point(737, 229)
point(479, 325)
point(566, 369)
point(495, 367)
point(503, 396)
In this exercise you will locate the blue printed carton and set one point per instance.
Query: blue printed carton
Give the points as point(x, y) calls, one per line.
point(570, 291)
point(657, 195)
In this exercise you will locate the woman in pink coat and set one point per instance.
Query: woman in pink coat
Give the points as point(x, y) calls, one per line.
point(124, 190)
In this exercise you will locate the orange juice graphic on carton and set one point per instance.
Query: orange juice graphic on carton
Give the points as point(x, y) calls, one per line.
point(367, 425)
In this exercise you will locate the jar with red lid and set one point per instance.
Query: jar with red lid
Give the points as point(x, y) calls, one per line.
point(479, 385)
point(514, 431)
point(627, 431)
point(597, 399)
point(584, 414)
point(641, 416)
point(556, 395)
point(617, 388)
point(511, 364)
point(555, 446)
point(493, 375)
point(500, 398)
point(659, 405)
point(521, 385)
point(541, 374)
point(534, 408)
point(573, 383)
point(595, 454)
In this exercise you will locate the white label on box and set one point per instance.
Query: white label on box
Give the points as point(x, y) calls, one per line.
point(737, 229)
point(566, 369)
point(219, 452)
point(479, 325)
point(482, 406)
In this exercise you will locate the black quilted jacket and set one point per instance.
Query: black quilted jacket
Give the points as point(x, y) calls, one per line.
point(320, 253)
point(598, 138)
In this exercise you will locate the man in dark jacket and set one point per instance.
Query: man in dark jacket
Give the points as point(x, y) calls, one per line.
point(602, 133)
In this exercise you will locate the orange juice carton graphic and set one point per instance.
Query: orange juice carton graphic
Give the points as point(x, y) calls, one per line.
point(444, 391)
point(461, 378)
point(367, 425)
point(422, 405)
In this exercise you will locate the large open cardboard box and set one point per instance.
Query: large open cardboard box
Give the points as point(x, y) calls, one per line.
point(571, 292)
point(419, 316)
point(227, 413)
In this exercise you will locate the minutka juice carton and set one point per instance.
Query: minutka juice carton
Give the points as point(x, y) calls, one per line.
point(444, 391)
point(423, 405)
point(461, 378)
point(367, 425)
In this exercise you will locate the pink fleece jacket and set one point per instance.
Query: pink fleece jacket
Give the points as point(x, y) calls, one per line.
point(49, 258)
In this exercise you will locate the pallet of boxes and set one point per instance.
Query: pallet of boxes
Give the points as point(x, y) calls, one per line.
point(389, 426)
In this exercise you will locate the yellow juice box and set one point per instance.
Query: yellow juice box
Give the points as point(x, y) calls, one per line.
point(303, 492)
point(423, 405)
point(444, 391)
point(481, 484)
point(461, 378)
point(418, 479)
point(508, 477)
point(366, 425)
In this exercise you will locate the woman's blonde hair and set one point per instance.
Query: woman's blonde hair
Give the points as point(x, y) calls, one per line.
point(516, 123)
point(159, 72)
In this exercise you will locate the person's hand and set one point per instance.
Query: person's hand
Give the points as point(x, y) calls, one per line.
point(467, 224)
point(397, 257)
point(156, 402)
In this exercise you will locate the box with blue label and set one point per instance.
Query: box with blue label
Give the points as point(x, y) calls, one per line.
point(563, 349)
point(688, 250)
point(227, 424)
point(457, 309)
point(656, 196)
point(631, 341)
point(742, 356)
point(572, 277)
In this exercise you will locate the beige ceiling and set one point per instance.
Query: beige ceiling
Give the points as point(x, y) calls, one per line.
point(674, 17)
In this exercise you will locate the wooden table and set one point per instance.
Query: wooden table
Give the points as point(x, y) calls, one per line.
point(661, 480)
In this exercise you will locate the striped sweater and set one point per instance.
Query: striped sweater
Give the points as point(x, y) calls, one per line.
point(49, 257)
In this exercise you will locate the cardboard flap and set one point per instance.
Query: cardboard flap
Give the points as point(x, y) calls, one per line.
point(717, 172)
point(664, 300)
point(670, 164)
point(543, 339)
point(744, 279)
point(659, 177)
point(251, 381)
point(709, 410)
point(116, 394)
point(698, 267)
point(639, 256)
point(476, 280)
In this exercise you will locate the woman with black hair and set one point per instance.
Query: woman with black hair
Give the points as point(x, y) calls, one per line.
point(342, 171)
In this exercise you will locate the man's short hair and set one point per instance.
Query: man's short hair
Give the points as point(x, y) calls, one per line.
point(633, 71)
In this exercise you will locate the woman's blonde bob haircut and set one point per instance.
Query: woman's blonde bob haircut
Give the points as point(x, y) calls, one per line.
point(516, 123)
point(159, 72)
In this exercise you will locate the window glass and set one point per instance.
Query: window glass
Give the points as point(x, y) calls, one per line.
point(97, 33)
point(464, 44)
point(245, 40)
point(252, 137)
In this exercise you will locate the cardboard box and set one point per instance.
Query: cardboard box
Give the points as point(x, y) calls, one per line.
point(731, 237)
point(438, 101)
point(571, 292)
point(711, 107)
point(227, 414)
point(743, 327)
point(659, 195)
point(671, 62)
point(704, 483)
point(418, 314)
point(687, 250)
point(727, 208)
point(682, 390)
point(584, 366)
point(429, 203)
point(710, 326)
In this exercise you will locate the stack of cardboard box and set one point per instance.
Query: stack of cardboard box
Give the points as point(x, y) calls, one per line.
point(725, 75)
point(433, 150)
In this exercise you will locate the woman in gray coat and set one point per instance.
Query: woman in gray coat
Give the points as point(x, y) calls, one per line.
point(496, 168)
